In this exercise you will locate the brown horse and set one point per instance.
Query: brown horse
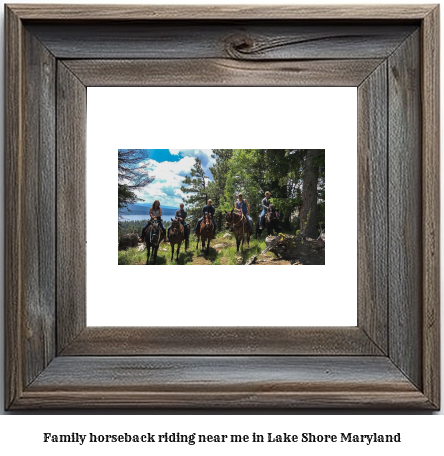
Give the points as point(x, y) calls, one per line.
point(177, 235)
point(206, 232)
point(271, 222)
point(240, 226)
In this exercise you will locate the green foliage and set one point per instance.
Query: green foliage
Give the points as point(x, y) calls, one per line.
point(246, 175)
point(128, 226)
point(131, 256)
point(217, 187)
point(126, 196)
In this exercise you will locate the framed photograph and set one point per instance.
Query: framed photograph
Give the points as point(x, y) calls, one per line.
point(389, 359)
point(116, 114)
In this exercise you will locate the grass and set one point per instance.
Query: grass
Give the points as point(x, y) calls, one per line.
point(227, 255)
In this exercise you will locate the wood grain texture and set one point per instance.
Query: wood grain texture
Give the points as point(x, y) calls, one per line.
point(38, 230)
point(405, 207)
point(232, 382)
point(13, 207)
point(259, 40)
point(431, 206)
point(372, 207)
point(127, 341)
point(221, 72)
point(220, 12)
point(71, 206)
point(225, 400)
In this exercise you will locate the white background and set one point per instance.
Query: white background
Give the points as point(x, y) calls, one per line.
point(20, 434)
point(238, 117)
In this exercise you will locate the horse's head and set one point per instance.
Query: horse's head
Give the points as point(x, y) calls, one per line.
point(155, 232)
point(228, 219)
point(175, 226)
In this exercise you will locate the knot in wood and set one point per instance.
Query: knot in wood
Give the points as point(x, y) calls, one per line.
point(238, 46)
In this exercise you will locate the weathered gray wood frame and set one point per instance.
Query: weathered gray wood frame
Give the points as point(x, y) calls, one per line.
point(390, 360)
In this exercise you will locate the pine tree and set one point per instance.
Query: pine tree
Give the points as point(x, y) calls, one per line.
point(196, 186)
point(217, 187)
point(132, 175)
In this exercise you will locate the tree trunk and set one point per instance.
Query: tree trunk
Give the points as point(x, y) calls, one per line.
point(310, 195)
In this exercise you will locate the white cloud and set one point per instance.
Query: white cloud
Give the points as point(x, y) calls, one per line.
point(182, 166)
point(169, 176)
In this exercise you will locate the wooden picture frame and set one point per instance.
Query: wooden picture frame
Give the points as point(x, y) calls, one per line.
point(390, 360)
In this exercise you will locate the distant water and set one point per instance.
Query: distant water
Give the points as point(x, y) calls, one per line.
point(167, 215)
point(133, 218)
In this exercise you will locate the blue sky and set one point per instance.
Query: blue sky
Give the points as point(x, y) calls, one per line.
point(170, 166)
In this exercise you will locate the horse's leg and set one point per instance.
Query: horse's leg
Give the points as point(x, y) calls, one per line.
point(258, 230)
point(172, 251)
point(178, 249)
point(147, 253)
point(184, 237)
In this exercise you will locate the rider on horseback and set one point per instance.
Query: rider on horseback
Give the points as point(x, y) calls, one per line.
point(181, 215)
point(265, 205)
point(155, 214)
point(209, 208)
point(265, 208)
point(241, 205)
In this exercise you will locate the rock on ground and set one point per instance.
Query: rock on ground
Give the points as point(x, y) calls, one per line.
point(128, 240)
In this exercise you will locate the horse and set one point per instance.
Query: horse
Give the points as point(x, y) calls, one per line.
point(177, 235)
point(206, 232)
point(240, 226)
point(271, 222)
point(153, 236)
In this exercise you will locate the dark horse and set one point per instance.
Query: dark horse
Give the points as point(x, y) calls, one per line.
point(153, 236)
point(240, 226)
point(271, 222)
point(177, 235)
point(206, 232)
